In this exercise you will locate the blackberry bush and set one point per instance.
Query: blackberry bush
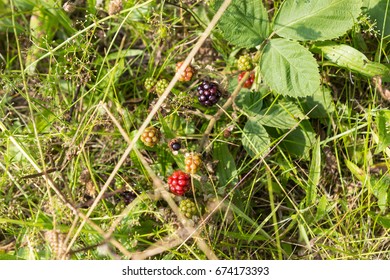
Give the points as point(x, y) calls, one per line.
point(208, 93)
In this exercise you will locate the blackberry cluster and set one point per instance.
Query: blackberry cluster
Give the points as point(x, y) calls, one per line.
point(188, 208)
point(150, 136)
point(179, 182)
point(208, 93)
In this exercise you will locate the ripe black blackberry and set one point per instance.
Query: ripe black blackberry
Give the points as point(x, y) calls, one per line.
point(208, 93)
point(174, 145)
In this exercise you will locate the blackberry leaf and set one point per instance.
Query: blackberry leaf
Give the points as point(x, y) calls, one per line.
point(316, 19)
point(244, 23)
point(289, 68)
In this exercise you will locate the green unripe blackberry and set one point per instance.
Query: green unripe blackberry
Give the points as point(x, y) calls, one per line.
point(161, 85)
point(149, 83)
point(244, 63)
point(188, 208)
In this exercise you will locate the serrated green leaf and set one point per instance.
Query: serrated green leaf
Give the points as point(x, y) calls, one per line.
point(226, 168)
point(244, 23)
point(350, 58)
point(316, 19)
point(383, 125)
point(283, 115)
point(289, 69)
point(299, 141)
point(318, 105)
point(255, 138)
point(379, 11)
point(249, 102)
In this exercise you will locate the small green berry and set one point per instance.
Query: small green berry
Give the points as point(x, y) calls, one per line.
point(149, 83)
point(161, 85)
point(188, 208)
point(245, 63)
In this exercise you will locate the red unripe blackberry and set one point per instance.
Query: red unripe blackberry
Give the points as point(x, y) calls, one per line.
point(186, 76)
point(179, 182)
point(150, 136)
point(249, 82)
point(208, 93)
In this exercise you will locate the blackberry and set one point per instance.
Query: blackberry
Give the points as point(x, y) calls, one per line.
point(186, 76)
point(161, 85)
point(249, 82)
point(192, 162)
point(150, 136)
point(179, 182)
point(174, 145)
point(245, 63)
point(149, 83)
point(188, 208)
point(208, 93)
